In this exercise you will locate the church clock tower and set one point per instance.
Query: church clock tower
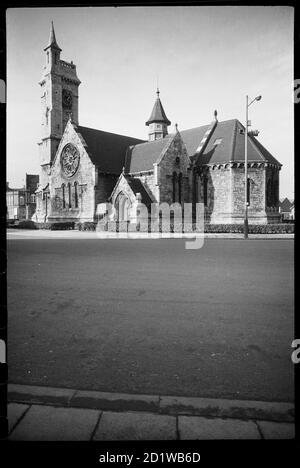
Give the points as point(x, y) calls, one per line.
point(59, 102)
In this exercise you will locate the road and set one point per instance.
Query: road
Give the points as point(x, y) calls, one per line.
point(148, 316)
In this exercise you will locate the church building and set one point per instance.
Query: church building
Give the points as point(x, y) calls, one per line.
point(82, 167)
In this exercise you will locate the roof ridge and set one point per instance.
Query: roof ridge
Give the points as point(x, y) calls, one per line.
point(147, 142)
point(110, 133)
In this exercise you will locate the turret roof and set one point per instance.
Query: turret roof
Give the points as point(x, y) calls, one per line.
point(158, 114)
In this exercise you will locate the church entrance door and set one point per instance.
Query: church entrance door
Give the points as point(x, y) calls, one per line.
point(122, 207)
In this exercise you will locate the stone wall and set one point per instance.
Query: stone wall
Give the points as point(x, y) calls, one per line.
point(226, 193)
point(149, 181)
point(85, 178)
point(219, 194)
point(174, 160)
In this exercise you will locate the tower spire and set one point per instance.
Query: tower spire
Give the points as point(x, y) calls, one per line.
point(52, 39)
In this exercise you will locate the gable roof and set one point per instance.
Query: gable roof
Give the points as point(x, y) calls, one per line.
point(231, 146)
point(141, 157)
point(111, 152)
point(286, 205)
point(192, 138)
point(106, 150)
point(137, 186)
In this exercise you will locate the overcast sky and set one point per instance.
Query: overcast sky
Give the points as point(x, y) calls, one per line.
point(204, 58)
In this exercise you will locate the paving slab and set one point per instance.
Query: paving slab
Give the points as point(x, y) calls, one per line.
point(115, 401)
point(198, 428)
point(45, 423)
point(39, 394)
point(274, 430)
point(222, 408)
point(14, 413)
point(135, 426)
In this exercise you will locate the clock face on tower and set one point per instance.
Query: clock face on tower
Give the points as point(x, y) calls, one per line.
point(69, 159)
point(67, 98)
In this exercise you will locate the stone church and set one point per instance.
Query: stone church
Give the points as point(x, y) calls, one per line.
point(82, 167)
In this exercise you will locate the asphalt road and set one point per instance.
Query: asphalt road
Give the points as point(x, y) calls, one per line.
point(147, 316)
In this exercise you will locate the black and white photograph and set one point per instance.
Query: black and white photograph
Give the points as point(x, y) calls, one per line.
point(150, 218)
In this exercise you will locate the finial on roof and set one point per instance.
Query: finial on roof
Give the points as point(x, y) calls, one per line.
point(176, 127)
point(123, 170)
point(157, 92)
point(215, 114)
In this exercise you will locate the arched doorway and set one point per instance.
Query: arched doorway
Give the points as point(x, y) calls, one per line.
point(122, 205)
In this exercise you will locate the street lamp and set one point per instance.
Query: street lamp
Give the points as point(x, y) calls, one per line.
point(258, 98)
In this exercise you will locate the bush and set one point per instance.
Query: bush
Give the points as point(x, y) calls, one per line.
point(253, 228)
point(26, 224)
point(86, 226)
point(43, 225)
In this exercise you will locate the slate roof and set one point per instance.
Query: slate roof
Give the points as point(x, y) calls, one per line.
point(111, 152)
point(106, 150)
point(137, 187)
point(142, 156)
point(232, 146)
point(158, 114)
point(192, 138)
point(286, 205)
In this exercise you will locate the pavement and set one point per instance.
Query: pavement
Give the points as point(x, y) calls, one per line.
point(74, 234)
point(62, 414)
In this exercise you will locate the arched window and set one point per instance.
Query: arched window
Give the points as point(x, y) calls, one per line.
point(76, 194)
point(63, 196)
point(205, 183)
point(69, 195)
point(174, 179)
point(276, 193)
point(269, 193)
point(179, 187)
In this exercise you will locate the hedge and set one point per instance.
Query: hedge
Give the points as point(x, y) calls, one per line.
point(56, 226)
point(26, 224)
point(283, 228)
point(86, 226)
point(208, 228)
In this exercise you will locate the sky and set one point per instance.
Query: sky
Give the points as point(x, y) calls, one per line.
point(202, 58)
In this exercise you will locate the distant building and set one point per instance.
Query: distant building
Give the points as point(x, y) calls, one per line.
point(21, 202)
point(287, 209)
point(82, 167)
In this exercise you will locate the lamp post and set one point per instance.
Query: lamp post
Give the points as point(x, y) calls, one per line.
point(258, 98)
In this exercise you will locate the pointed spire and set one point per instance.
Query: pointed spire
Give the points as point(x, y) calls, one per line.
point(52, 39)
point(158, 113)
